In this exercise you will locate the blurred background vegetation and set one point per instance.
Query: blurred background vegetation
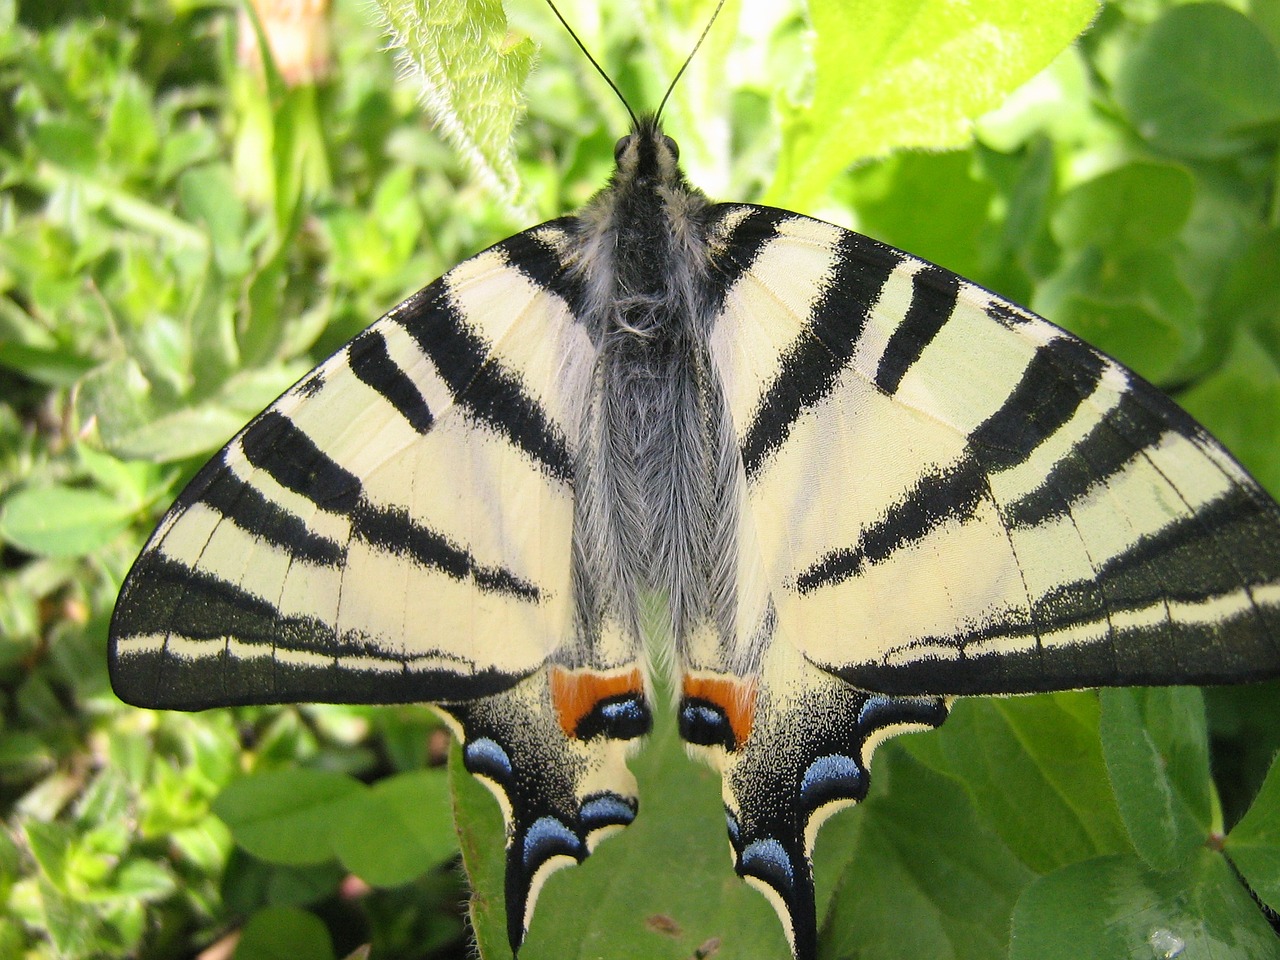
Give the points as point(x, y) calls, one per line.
point(184, 232)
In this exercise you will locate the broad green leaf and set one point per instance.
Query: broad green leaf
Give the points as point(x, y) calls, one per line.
point(284, 933)
point(928, 878)
point(890, 194)
point(1119, 907)
point(1254, 843)
point(472, 71)
point(911, 75)
point(1130, 208)
point(285, 816)
point(1133, 306)
point(482, 839)
point(62, 521)
point(1034, 768)
point(660, 890)
point(209, 198)
point(397, 830)
point(70, 143)
point(133, 424)
point(1200, 82)
point(1156, 747)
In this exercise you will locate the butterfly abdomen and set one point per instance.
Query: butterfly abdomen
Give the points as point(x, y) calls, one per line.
point(651, 507)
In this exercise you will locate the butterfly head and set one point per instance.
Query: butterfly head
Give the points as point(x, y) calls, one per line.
point(647, 156)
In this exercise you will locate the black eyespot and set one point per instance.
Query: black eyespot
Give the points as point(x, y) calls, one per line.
point(673, 147)
point(620, 148)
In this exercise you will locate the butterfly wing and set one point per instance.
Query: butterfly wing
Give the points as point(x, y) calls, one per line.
point(397, 527)
point(954, 496)
point(409, 496)
point(943, 494)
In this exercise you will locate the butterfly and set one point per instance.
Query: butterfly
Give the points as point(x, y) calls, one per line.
point(856, 484)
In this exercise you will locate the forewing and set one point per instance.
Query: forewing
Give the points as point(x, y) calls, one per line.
point(940, 494)
point(396, 527)
point(952, 495)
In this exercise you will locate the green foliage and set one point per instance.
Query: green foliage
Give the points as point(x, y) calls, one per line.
point(910, 74)
point(472, 74)
point(181, 238)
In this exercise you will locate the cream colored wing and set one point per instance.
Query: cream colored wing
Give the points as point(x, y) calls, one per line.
point(951, 495)
point(940, 494)
point(396, 527)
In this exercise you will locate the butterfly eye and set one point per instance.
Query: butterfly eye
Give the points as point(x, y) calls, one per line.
point(673, 147)
point(620, 147)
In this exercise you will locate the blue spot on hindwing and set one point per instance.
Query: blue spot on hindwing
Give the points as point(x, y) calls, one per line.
point(605, 810)
point(485, 757)
point(547, 837)
point(830, 778)
point(768, 860)
point(705, 724)
point(618, 718)
point(879, 711)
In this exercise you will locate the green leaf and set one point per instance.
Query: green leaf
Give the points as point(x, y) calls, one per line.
point(209, 197)
point(663, 888)
point(1129, 208)
point(889, 196)
point(62, 521)
point(398, 830)
point(284, 933)
point(928, 878)
point(1134, 307)
point(1155, 743)
point(1200, 81)
point(1119, 907)
point(133, 424)
point(1254, 842)
point(473, 72)
point(1034, 768)
point(69, 142)
point(285, 816)
point(911, 75)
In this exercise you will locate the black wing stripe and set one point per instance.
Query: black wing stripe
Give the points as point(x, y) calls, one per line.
point(1060, 376)
point(1043, 400)
point(393, 531)
point(1109, 444)
point(814, 362)
point(1189, 551)
point(487, 390)
point(534, 255)
point(274, 444)
point(933, 299)
point(370, 361)
point(952, 493)
point(224, 634)
point(249, 509)
point(1219, 651)
point(748, 239)
point(170, 598)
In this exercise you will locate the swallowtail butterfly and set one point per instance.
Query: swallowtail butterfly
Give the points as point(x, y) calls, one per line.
point(861, 484)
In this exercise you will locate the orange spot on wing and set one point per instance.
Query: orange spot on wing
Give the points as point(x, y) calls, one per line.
point(575, 693)
point(737, 698)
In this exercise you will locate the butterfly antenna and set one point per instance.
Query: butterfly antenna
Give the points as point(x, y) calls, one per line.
point(687, 60)
point(599, 69)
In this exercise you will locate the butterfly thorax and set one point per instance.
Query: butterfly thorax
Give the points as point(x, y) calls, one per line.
point(650, 504)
